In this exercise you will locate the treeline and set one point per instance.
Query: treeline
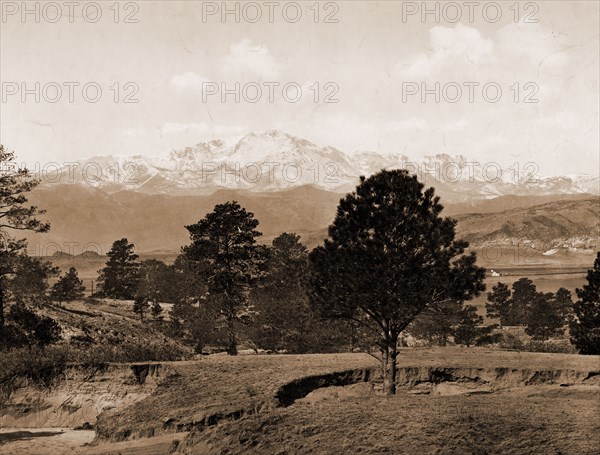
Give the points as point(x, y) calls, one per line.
point(544, 315)
point(224, 287)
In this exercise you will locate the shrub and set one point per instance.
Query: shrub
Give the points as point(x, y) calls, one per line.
point(511, 341)
point(562, 346)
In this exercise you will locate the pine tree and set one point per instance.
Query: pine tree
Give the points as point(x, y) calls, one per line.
point(585, 323)
point(30, 281)
point(389, 256)
point(498, 303)
point(524, 293)
point(156, 310)
point(68, 288)
point(467, 331)
point(436, 324)
point(119, 279)
point(224, 244)
point(564, 302)
point(141, 306)
point(15, 216)
point(545, 318)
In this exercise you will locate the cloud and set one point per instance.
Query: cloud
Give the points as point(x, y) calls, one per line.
point(199, 130)
point(188, 81)
point(202, 130)
point(453, 47)
point(543, 52)
point(246, 61)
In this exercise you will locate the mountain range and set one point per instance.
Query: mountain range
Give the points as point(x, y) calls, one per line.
point(276, 161)
point(151, 200)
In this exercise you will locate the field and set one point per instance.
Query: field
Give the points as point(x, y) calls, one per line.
point(451, 400)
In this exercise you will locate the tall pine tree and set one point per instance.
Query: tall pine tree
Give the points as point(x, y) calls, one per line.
point(224, 243)
point(498, 303)
point(120, 278)
point(15, 216)
point(389, 256)
point(68, 288)
point(585, 323)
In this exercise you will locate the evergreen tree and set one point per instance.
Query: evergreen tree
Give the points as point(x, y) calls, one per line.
point(68, 288)
point(193, 315)
point(156, 310)
point(524, 293)
point(141, 305)
point(389, 256)
point(564, 302)
point(498, 305)
point(15, 216)
point(435, 324)
point(27, 328)
point(468, 331)
point(545, 318)
point(120, 278)
point(224, 244)
point(585, 323)
point(285, 320)
point(30, 281)
point(153, 284)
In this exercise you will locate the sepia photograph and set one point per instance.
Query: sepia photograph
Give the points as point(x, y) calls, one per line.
point(299, 227)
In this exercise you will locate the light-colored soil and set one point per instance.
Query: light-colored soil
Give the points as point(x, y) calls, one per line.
point(65, 441)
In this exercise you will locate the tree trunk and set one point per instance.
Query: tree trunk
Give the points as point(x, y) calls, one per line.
point(232, 349)
point(1, 313)
point(389, 365)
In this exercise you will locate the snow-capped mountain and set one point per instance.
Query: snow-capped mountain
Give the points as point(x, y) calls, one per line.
point(274, 160)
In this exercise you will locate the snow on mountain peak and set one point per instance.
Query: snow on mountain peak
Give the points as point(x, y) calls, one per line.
point(274, 160)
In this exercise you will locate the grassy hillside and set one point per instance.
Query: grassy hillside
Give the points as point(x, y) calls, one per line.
point(103, 331)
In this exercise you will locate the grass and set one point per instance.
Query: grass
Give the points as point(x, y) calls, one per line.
point(534, 419)
point(526, 421)
point(221, 385)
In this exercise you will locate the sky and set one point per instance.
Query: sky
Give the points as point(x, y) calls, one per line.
point(514, 82)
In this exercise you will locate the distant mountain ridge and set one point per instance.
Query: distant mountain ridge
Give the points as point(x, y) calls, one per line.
point(89, 219)
point(275, 161)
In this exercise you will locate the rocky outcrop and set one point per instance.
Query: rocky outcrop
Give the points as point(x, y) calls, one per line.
point(76, 395)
